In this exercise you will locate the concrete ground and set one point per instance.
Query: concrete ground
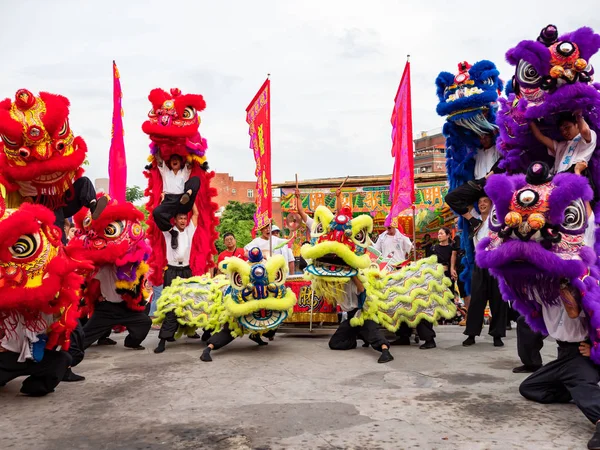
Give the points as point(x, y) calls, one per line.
point(293, 394)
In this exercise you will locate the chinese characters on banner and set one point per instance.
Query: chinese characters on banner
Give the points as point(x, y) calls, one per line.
point(258, 116)
point(117, 161)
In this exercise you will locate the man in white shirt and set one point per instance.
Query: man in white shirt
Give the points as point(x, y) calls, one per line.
point(179, 191)
point(112, 310)
point(22, 353)
point(178, 266)
point(462, 198)
point(574, 153)
point(278, 245)
point(484, 288)
point(572, 376)
point(393, 245)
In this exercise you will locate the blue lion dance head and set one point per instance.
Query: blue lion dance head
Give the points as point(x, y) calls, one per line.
point(468, 99)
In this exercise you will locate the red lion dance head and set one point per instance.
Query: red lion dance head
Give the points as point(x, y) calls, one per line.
point(172, 126)
point(36, 274)
point(38, 146)
point(116, 237)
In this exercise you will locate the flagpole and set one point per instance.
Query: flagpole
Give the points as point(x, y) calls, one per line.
point(414, 233)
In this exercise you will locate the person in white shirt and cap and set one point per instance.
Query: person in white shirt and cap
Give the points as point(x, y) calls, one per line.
point(392, 244)
point(278, 245)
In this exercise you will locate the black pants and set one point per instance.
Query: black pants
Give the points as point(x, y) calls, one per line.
point(173, 272)
point(44, 376)
point(76, 350)
point(171, 205)
point(345, 336)
point(424, 330)
point(529, 344)
point(484, 287)
point(461, 199)
point(570, 377)
point(107, 315)
point(80, 195)
point(221, 339)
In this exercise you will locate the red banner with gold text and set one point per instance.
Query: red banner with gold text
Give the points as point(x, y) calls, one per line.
point(258, 116)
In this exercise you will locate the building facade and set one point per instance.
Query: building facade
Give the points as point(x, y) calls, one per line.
point(429, 154)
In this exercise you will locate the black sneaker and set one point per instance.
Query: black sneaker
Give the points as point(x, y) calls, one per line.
point(160, 347)
point(97, 206)
point(498, 342)
point(206, 355)
point(185, 198)
point(428, 345)
point(256, 338)
point(469, 341)
point(174, 239)
point(525, 369)
point(405, 340)
point(386, 356)
point(594, 442)
point(137, 347)
point(474, 224)
point(106, 341)
point(194, 336)
point(71, 377)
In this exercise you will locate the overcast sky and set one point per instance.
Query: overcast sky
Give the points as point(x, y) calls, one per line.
point(335, 68)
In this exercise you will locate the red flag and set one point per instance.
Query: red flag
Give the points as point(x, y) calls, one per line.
point(117, 160)
point(402, 188)
point(258, 116)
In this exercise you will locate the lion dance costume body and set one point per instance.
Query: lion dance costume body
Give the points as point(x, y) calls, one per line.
point(337, 253)
point(250, 299)
point(40, 157)
point(468, 100)
point(115, 292)
point(39, 297)
point(543, 242)
point(172, 126)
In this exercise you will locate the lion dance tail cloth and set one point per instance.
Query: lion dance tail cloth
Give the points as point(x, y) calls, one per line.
point(468, 100)
point(172, 126)
point(40, 157)
point(40, 285)
point(337, 252)
point(250, 299)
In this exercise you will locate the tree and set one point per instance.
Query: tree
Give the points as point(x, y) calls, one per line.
point(134, 193)
point(143, 209)
point(237, 218)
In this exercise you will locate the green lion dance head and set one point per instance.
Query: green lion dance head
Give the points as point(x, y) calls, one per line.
point(250, 298)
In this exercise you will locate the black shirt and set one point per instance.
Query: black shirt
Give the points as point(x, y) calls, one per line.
point(444, 253)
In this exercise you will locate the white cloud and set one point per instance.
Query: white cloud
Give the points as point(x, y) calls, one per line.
point(335, 68)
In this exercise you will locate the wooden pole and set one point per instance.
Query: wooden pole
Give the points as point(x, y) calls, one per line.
point(344, 182)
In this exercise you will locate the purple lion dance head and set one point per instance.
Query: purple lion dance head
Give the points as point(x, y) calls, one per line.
point(538, 246)
point(553, 75)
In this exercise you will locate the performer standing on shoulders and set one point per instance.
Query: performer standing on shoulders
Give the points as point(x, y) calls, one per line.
point(179, 194)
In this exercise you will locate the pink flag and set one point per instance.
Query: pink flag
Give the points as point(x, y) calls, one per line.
point(117, 160)
point(402, 188)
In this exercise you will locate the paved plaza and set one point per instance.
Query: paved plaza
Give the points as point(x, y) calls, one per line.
point(293, 394)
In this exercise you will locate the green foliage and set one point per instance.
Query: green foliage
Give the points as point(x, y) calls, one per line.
point(145, 212)
point(134, 193)
point(237, 218)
